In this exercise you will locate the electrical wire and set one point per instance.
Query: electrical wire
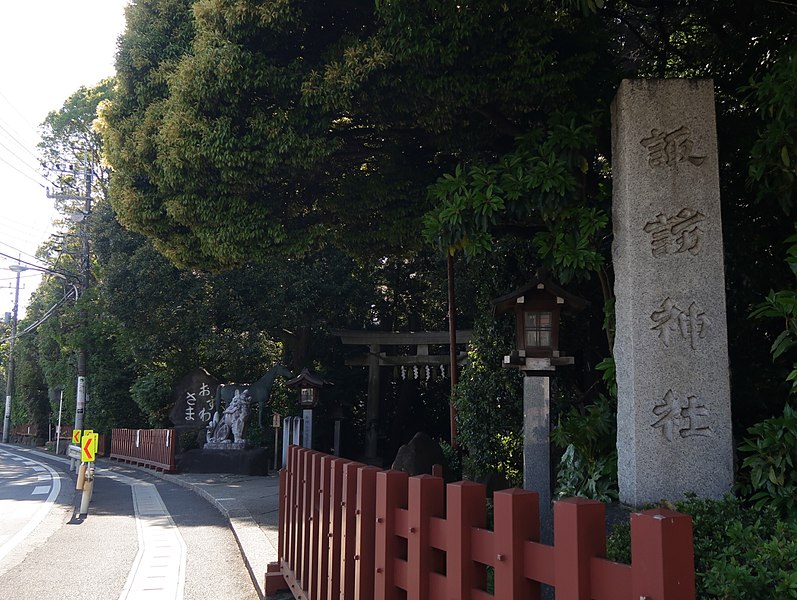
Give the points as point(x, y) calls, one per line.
point(41, 268)
point(14, 138)
point(50, 311)
point(23, 174)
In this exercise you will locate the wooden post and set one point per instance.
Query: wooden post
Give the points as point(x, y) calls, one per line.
point(425, 501)
point(452, 332)
point(335, 529)
point(348, 526)
point(517, 520)
point(580, 534)
point(365, 560)
point(391, 493)
point(465, 504)
point(294, 524)
point(662, 555)
point(315, 580)
point(372, 405)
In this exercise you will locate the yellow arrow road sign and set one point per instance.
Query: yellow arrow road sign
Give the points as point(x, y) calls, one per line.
point(76, 436)
point(88, 446)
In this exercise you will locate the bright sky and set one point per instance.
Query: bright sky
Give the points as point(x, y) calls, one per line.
point(48, 49)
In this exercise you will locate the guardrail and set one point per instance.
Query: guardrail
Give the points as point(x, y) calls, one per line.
point(151, 448)
point(351, 531)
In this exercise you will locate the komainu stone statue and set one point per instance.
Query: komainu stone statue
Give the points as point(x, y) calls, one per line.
point(231, 421)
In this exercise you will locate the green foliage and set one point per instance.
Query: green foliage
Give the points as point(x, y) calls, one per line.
point(783, 305)
point(489, 404)
point(773, 157)
point(768, 476)
point(153, 395)
point(188, 440)
point(739, 552)
point(570, 246)
point(588, 466)
point(537, 185)
point(453, 461)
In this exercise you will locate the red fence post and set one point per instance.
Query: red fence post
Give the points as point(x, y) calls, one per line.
point(314, 582)
point(311, 482)
point(425, 500)
point(302, 516)
point(517, 520)
point(292, 515)
point(580, 534)
point(465, 504)
point(348, 549)
point(335, 528)
point(391, 495)
point(365, 560)
point(274, 580)
point(282, 517)
point(662, 555)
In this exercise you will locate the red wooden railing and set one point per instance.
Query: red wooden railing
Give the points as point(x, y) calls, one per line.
point(152, 448)
point(351, 531)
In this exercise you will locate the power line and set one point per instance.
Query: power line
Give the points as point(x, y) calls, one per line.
point(33, 326)
point(33, 256)
point(16, 110)
point(23, 174)
point(22, 160)
point(15, 139)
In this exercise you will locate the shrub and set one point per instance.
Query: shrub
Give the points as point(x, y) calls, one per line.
point(768, 476)
point(489, 400)
point(588, 466)
point(739, 552)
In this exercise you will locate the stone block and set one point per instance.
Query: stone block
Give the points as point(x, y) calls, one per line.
point(671, 350)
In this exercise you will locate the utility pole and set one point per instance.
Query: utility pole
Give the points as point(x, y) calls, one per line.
point(85, 272)
point(10, 375)
point(85, 278)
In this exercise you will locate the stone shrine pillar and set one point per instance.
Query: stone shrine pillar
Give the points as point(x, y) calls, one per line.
point(537, 446)
point(671, 348)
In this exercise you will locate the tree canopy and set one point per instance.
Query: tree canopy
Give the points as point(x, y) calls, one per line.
point(305, 165)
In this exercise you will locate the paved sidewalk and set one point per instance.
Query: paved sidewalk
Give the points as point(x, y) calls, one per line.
point(250, 503)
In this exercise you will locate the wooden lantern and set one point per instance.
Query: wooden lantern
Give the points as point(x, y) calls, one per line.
point(309, 387)
point(537, 307)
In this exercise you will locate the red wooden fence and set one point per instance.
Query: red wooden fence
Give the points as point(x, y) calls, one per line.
point(152, 448)
point(351, 531)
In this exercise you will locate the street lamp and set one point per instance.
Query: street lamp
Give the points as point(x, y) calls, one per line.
point(10, 375)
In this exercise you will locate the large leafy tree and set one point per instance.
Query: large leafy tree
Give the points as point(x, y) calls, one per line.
point(244, 131)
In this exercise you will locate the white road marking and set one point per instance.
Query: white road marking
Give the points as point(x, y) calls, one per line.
point(159, 567)
point(40, 490)
point(37, 517)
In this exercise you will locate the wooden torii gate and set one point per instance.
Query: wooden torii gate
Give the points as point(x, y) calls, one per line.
point(376, 358)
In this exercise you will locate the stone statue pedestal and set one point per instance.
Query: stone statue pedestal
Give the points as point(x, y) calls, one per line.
point(225, 445)
point(253, 461)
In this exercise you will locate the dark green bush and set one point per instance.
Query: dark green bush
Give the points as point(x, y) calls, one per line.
point(489, 401)
point(588, 466)
point(768, 476)
point(740, 553)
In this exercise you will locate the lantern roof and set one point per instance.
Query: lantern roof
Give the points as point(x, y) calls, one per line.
point(541, 283)
point(307, 379)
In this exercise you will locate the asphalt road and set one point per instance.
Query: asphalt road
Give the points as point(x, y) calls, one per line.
point(142, 537)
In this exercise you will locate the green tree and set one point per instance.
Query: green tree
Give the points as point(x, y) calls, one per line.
point(245, 132)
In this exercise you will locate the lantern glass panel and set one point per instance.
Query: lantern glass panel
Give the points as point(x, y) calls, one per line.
point(537, 327)
point(306, 396)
